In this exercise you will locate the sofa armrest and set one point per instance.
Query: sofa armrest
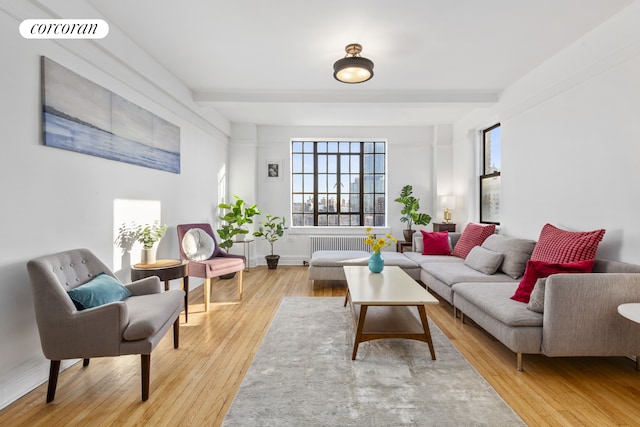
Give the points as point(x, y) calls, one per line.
point(146, 286)
point(88, 333)
point(581, 315)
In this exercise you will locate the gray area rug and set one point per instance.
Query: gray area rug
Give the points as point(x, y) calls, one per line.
point(303, 375)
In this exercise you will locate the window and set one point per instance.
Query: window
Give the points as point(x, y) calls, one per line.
point(490, 177)
point(338, 183)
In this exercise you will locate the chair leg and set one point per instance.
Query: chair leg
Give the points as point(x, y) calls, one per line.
point(54, 369)
point(185, 286)
point(85, 362)
point(176, 332)
point(240, 284)
point(207, 293)
point(146, 372)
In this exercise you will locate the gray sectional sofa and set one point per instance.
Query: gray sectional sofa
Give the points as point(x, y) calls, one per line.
point(575, 314)
point(569, 314)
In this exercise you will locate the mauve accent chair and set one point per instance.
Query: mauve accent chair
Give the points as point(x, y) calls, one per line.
point(134, 325)
point(219, 263)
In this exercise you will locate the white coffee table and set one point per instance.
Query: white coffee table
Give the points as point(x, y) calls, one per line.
point(381, 303)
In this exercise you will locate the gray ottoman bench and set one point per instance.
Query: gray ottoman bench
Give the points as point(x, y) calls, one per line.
point(327, 265)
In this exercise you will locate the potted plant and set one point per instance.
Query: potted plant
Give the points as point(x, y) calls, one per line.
point(234, 218)
point(410, 214)
point(148, 235)
point(271, 230)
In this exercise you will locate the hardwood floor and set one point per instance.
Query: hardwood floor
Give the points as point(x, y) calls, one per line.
point(195, 384)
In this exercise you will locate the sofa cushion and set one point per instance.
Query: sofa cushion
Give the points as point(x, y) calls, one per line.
point(421, 260)
point(436, 243)
point(450, 273)
point(493, 299)
point(473, 235)
point(484, 260)
point(516, 252)
point(328, 258)
point(561, 246)
point(539, 269)
point(148, 313)
point(536, 301)
point(100, 290)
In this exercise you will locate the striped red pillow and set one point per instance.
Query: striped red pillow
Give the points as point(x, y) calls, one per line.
point(561, 246)
point(472, 236)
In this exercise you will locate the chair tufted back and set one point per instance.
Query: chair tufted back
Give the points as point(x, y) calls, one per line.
point(52, 276)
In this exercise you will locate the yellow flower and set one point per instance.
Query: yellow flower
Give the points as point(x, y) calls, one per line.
point(378, 243)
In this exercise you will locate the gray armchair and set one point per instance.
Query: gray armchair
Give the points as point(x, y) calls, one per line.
point(133, 325)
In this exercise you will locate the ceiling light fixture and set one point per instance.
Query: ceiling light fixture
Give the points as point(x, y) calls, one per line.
point(353, 68)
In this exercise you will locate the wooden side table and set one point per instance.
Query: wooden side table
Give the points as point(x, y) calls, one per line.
point(443, 226)
point(245, 251)
point(166, 270)
point(400, 245)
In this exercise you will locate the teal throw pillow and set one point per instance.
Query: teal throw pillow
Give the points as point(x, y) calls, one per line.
point(100, 290)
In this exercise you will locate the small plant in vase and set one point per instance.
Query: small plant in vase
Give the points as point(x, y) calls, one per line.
point(148, 235)
point(271, 230)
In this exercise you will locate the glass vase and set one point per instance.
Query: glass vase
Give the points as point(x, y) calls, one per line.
point(376, 262)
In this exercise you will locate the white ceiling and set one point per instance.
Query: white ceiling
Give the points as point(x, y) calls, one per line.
point(271, 62)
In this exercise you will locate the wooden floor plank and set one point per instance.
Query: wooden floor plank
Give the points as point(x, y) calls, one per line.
point(195, 384)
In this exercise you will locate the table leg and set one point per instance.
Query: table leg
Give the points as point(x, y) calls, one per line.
point(427, 332)
point(356, 342)
point(166, 285)
point(185, 286)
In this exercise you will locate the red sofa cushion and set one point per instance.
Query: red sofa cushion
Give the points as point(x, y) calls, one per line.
point(473, 235)
point(539, 269)
point(561, 246)
point(436, 243)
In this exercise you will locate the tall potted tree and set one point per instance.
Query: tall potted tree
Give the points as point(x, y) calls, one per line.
point(410, 214)
point(234, 219)
point(271, 230)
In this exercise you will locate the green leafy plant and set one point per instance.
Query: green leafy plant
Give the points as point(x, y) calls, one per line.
point(147, 234)
point(234, 218)
point(271, 229)
point(411, 205)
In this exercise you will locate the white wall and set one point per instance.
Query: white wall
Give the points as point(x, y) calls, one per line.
point(570, 142)
point(409, 162)
point(54, 200)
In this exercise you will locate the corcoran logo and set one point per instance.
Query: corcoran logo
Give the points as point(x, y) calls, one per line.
point(64, 29)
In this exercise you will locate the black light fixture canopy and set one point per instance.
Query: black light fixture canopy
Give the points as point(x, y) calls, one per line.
point(353, 68)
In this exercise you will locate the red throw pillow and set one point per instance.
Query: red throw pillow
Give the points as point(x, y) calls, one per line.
point(561, 246)
point(540, 269)
point(436, 243)
point(472, 236)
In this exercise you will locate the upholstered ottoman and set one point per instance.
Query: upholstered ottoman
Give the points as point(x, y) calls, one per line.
point(327, 265)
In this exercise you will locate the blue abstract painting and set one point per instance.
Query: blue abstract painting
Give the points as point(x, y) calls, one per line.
point(82, 116)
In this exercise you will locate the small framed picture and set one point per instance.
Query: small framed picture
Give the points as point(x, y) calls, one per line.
point(274, 170)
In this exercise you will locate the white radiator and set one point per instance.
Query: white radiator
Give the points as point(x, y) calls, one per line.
point(338, 243)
